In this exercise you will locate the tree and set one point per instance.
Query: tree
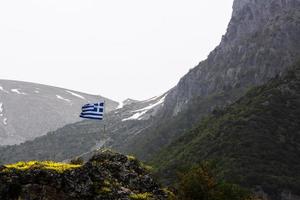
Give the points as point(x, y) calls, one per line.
point(200, 183)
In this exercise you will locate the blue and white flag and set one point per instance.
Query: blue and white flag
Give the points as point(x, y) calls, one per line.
point(93, 111)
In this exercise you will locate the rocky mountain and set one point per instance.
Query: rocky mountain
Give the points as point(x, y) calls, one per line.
point(211, 115)
point(29, 110)
point(106, 175)
point(262, 41)
point(255, 142)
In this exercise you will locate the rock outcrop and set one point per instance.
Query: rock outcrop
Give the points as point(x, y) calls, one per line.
point(106, 175)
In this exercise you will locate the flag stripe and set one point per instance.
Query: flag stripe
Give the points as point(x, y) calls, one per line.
point(93, 110)
point(91, 116)
point(92, 113)
point(87, 109)
point(93, 104)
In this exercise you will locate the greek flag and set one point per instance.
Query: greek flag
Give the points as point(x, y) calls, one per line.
point(93, 111)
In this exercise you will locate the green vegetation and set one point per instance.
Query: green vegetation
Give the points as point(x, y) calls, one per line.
point(46, 165)
point(71, 141)
point(254, 142)
point(199, 183)
point(130, 157)
point(142, 196)
point(105, 190)
point(152, 140)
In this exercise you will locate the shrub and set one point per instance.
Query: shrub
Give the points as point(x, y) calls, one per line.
point(200, 184)
point(77, 161)
point(141, 196)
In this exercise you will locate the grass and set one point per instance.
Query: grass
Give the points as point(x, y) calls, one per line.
point(46, 165)
point(141, 196)
point(130, 157)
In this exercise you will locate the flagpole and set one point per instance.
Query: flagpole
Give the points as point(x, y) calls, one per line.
point(103, 117)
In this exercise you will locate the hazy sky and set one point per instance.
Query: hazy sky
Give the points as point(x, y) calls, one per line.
point(116, 48)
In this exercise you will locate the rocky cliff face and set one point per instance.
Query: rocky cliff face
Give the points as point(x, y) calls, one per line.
point(254, 13)
point(262, 40)
point(106, 175)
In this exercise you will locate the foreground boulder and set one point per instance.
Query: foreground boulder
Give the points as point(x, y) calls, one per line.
point(106, 175)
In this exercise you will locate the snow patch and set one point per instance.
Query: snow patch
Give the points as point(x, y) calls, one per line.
point(37, 90)
point(17, 91)
point(64, 99)
point(121, 104)
point(140, 112)
point(2, 89)
point(74, 94)
point(1, 113)
point(136, 116)
point(5, 121)
point(152, 105)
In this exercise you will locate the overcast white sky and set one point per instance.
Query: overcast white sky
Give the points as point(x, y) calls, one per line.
point(120, 49)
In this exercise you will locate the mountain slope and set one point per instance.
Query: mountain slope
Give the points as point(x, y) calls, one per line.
point(75, 139)
point(28, 110)
point(262, 40)
point(255, 141)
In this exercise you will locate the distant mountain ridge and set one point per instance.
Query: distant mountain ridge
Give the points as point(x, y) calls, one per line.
point(29, 110)
point(118, 128)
